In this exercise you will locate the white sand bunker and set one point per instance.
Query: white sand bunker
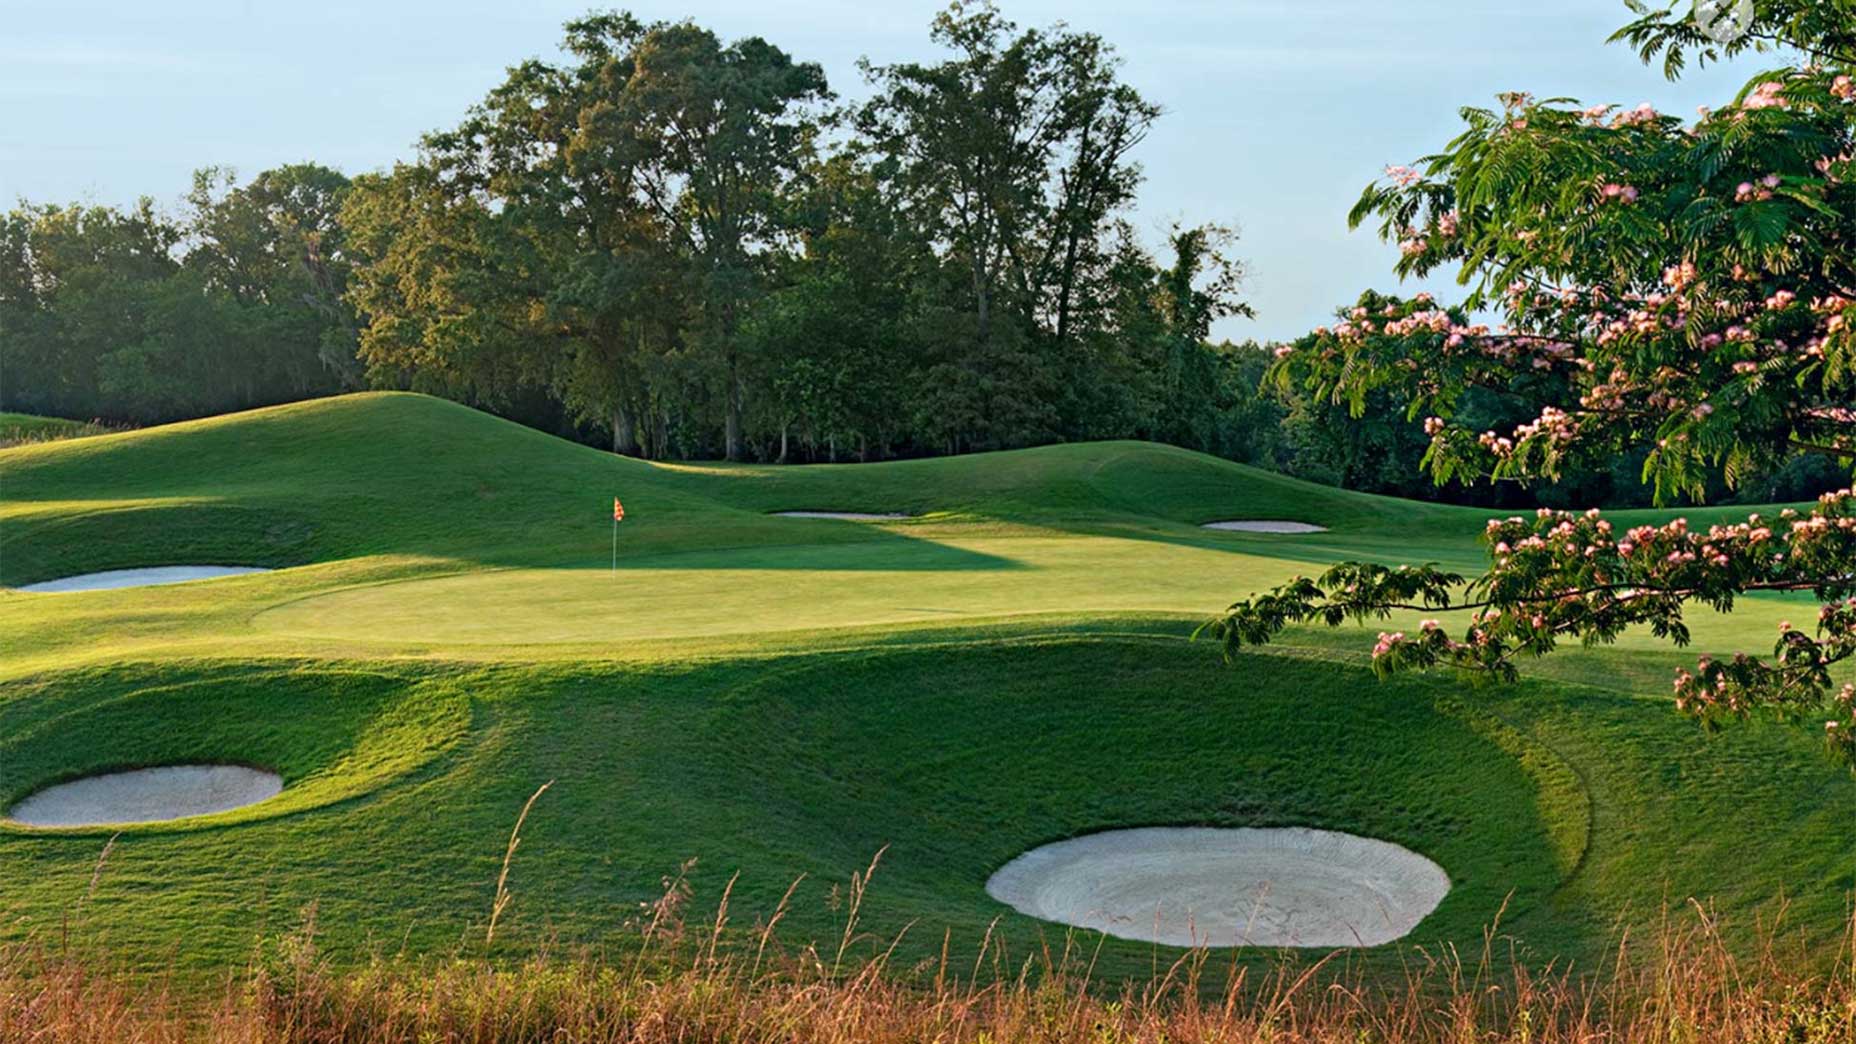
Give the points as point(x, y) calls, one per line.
point(1206, 886)
point(148, 795)
point(1265, 526)
point(140, 577)
point(850, 516)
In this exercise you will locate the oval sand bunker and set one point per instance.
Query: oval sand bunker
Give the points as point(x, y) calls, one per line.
point(1265, 526)
point(849, 516)
point(148, 795)
point(115, 578)
point(1206, 886)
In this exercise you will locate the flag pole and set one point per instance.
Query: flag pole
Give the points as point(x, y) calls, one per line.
point(615, 546)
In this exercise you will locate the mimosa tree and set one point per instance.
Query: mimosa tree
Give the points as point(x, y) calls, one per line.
point(1681, 286)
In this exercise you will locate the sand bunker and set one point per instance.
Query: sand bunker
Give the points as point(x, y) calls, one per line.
point(852, 516)
point(1205, 886)
point(140, 577)
point(1265, 526)
point(148, 795)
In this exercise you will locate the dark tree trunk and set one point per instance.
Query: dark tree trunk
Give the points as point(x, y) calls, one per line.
point(982, 298)
point(624, 433)
point(732, 434)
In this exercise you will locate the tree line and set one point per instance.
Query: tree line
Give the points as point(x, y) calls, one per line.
point(684, 247)
point(681, 246)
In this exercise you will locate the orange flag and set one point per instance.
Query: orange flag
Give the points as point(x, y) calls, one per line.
point(618, 510)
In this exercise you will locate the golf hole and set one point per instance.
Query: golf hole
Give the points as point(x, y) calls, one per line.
point(848, 516)
point(115, 578)
point(149, 795)
point(1265, 526)
point(1206, 886)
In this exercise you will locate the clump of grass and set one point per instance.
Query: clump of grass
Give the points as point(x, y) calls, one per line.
point(713, 982)
point(503, 895)
point(23, 429)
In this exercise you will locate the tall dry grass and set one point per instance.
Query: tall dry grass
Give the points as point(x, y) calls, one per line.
point(708, 981)
point(681, 980)
point(57, 432)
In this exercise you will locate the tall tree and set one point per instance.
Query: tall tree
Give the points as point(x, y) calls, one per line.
point(1013, 156)
point(827, 347)
point(277, 244)
point(714, 135)
point(597, 226)
point(76, 286)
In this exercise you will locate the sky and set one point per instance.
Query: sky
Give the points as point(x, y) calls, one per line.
point(1277, 111)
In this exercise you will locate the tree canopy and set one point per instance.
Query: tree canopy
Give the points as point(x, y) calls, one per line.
point(682, 241)
point(132, 315)
point(1684, 289)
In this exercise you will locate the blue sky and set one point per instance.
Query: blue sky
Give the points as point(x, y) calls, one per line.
point(1278, 111)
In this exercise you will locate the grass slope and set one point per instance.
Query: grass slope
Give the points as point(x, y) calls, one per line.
point(785, 697)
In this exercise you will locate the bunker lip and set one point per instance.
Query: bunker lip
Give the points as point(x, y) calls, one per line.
point(848, 516)
point(112, 579)
point(1260, 525)
point(1216, 887)
point(149, 795)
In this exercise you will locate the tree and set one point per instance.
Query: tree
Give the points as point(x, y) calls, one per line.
point(713, 135)
point(439, 291)
point(77, 285)
point(131, 315)
point(1012, 158)
point(1686, 290)
point(595, 228)
point(826, 347)
point(276, 246)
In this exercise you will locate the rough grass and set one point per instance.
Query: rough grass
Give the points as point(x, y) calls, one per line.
point(19, 429)
point(711, 980)
point(785, 697)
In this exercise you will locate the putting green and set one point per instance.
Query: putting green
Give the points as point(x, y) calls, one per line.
point(785, 697)
point(764, 590)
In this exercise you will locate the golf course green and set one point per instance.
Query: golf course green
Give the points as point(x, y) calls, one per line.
point(446, 628)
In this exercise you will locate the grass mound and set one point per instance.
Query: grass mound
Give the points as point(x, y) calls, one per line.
point(331, 734)
point(384, 473)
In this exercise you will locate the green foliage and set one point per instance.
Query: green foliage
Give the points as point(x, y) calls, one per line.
point(1680, 293)
point(133, 316)
point(650, 235)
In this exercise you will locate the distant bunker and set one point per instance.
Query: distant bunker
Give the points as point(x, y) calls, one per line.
point(1208, 886)
point(1265, 526)
point(114, 578)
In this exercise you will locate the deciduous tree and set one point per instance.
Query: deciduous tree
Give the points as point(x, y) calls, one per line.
point(1683, 286)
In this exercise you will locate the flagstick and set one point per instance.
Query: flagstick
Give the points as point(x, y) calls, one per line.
point(615, 547)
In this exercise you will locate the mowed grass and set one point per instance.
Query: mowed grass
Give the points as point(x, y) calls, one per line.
point(785, 698)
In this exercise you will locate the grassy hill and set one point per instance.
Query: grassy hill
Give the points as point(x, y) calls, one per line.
point(784, 697)
point(397, 473)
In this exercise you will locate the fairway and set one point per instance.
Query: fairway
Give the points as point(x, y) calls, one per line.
point(784, 698)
